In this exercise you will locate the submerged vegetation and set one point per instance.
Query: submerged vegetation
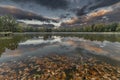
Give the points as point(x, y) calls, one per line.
point(58, 67)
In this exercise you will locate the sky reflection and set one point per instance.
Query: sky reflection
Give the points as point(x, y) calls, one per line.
point(47, 44)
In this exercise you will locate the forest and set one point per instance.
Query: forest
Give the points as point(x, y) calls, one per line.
point(9, 24)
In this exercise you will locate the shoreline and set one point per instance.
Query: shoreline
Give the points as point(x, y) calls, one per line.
point(9, 33)
point(67, 33)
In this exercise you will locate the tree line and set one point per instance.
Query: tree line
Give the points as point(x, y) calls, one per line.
point(9, 24)
point(112, 27)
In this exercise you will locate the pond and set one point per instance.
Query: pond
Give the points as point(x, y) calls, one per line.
point(60, 56)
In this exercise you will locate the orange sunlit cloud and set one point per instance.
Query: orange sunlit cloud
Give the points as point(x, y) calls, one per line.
point(100, 12)
point(71, 21)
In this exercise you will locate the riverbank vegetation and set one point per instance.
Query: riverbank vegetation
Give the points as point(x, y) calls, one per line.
point(113, 27)
point(9, 24)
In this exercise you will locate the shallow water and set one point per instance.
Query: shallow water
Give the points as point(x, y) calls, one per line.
point(37, 44)
point(23, 52)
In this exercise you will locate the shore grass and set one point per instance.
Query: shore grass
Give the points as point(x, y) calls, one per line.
point(6, 32)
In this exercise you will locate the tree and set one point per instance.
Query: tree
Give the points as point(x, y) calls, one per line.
point(118, 28)
point(8, 23)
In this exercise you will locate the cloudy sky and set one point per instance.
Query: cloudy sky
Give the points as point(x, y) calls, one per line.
point(54, 11)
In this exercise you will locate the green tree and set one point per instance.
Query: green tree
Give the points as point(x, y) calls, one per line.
point(8, 23)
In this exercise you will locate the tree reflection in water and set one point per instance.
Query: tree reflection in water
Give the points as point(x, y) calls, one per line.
point(47, 36)
point(12, 42)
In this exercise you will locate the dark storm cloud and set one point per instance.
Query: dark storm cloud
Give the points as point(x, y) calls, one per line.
point(101, 3)
point(21, 14)
point(53, 4)
point(81, 11)
point(104, 3)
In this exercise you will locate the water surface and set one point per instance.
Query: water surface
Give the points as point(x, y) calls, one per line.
point(27, 48)
point(100, 44)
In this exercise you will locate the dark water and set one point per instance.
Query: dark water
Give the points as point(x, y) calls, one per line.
point(104, 46)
